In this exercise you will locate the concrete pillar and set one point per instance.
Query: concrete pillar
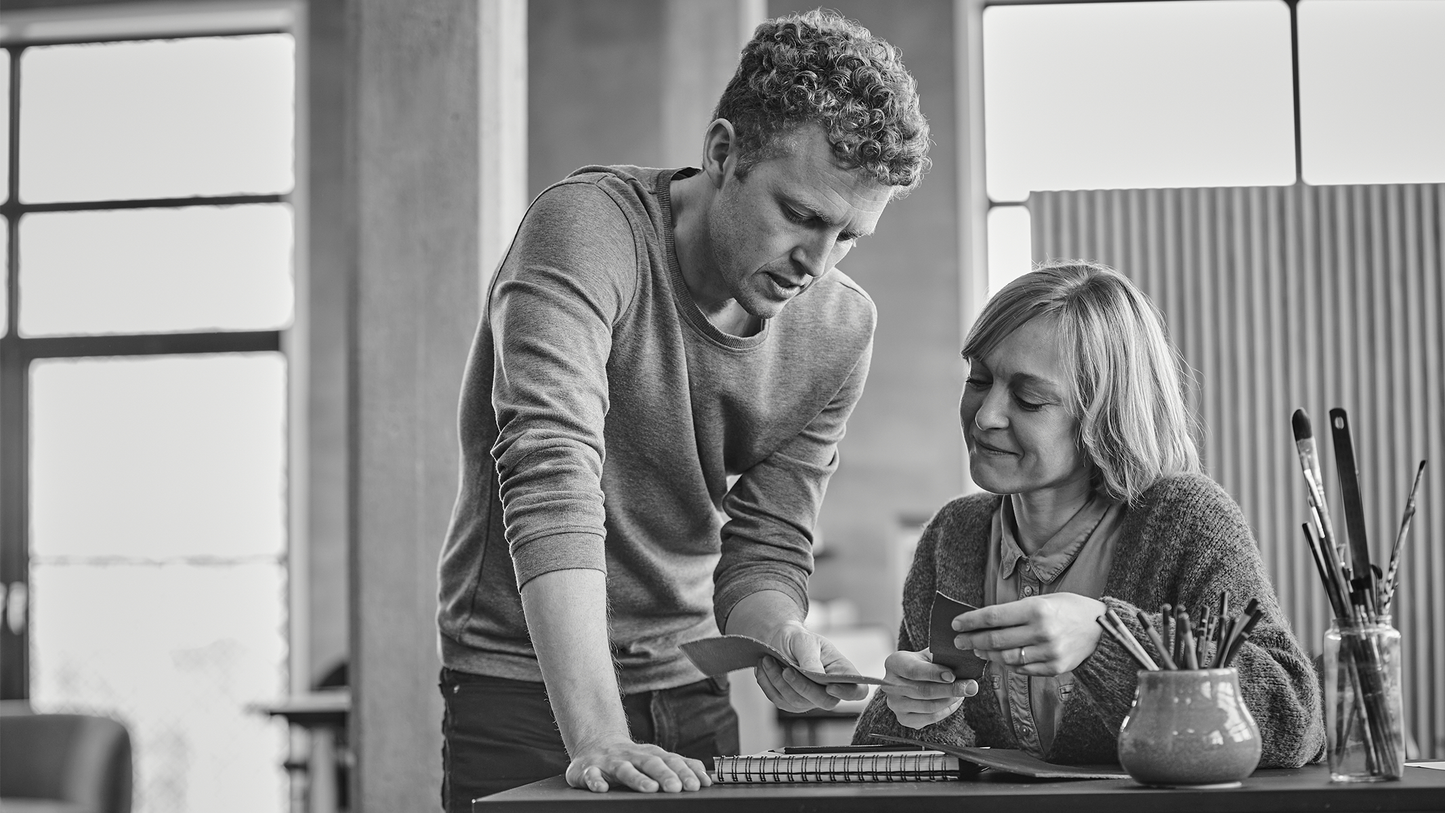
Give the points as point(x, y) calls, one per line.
point(702, 39)
point(419, 183)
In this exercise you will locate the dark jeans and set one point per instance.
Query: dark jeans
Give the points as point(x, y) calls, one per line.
point(500, 733)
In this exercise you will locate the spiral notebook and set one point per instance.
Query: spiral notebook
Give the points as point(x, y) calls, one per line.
point(846, 764)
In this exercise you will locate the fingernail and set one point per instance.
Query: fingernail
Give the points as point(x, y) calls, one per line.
point(946, 677)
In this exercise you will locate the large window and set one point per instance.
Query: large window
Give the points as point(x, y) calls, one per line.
point(1205, 93)
point(148, 286)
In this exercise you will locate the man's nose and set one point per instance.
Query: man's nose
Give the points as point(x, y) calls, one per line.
point(813, 258)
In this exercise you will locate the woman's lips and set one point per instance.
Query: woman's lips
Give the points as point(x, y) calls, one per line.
point(984, 447)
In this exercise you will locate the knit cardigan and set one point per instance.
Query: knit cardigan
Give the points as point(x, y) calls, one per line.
point(1183, 541)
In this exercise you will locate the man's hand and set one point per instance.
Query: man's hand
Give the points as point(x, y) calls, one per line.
point(645, 768)
point(1042, 635)
point(791, 690)
point(920, 692)
point(773, 618)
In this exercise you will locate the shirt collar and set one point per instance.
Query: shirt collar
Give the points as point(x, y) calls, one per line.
point(1062, 548)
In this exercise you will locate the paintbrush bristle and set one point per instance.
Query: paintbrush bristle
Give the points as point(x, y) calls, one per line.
point(1301, 424)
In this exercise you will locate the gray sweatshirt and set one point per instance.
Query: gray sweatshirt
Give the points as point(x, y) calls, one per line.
point(606, 424)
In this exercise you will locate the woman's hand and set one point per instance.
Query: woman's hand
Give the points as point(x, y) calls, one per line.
point(921, 692)
point(1041, 635)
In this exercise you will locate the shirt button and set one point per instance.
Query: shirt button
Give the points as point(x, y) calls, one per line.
point(1028, 591)
point(1028, 566)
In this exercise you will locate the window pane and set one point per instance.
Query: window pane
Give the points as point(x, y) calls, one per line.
point(1010, 245)
point(4, 280)
point(158, 456)
point(175, 652)
point(1372, 91)
point(156, 270)
point(5, 125)
point(1137, 95)
point(168, 118)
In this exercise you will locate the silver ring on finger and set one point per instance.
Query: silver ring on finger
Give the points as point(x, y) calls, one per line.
point(1023, 660)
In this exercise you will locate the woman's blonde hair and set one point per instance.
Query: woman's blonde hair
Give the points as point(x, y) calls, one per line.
point(1128, 378)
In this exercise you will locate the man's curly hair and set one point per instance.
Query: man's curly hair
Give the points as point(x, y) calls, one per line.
point(821, 67)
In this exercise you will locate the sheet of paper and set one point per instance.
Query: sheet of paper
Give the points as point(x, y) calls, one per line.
point(1010, 760)
point(718, 656)
point(964, 663)
point(1434, 766)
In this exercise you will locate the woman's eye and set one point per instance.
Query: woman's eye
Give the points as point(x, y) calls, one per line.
point(979, 383)
point(1028, 405)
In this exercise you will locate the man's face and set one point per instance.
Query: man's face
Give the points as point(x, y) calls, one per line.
point(788, 222)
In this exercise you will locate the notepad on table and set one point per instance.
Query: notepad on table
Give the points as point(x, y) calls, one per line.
point(847, 764)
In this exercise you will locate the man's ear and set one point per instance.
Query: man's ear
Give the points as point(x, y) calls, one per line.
point(719, 148)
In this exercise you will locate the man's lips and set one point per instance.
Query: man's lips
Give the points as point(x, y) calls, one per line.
point(785, 282)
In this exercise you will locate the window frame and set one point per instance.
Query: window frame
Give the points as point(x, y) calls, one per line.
point(23, 30)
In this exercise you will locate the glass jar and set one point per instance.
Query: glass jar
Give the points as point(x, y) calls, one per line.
point(1363, 711)
point(1189, 728)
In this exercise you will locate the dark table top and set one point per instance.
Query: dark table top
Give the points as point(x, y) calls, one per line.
point(1276, 791)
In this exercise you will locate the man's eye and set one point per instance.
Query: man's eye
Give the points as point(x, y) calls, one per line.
point(796, 216)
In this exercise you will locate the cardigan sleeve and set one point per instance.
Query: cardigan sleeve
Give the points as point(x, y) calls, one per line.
point(918, 590)
point(1188, 543)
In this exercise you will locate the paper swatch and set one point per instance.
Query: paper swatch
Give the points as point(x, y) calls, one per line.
point(963, 663)
point(718, 656)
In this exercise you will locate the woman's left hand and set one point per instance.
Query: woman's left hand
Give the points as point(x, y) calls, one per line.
point(1041, 635)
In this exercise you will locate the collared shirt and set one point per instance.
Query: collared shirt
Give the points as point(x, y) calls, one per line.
point(1075, 560)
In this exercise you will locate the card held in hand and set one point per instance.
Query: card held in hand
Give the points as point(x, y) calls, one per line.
point(718, 656)
point(965, 664)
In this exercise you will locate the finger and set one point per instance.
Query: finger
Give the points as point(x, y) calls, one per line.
point(923, 716)
point(770, 678)
point(847, 691)
point(699, 773)
point(629, 775)
point(665, 768)
point(1009, 614)
point(927, 691)
point(913, 666)
point(683, 771)
point(807, 693)
point(593, 780)
point(996, 639)
point(586, 776)
point(969, 688)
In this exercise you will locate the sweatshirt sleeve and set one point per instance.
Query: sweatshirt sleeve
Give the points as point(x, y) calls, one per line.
point(768, 537)
point(568, 277)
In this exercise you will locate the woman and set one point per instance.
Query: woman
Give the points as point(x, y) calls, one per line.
point(1077, 431)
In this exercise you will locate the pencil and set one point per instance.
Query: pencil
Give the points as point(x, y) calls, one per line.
point(1156, 640)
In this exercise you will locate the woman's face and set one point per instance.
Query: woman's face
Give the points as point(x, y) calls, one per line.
point(1020, 433)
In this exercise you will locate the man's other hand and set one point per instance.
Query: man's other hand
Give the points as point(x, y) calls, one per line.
point(645, 768)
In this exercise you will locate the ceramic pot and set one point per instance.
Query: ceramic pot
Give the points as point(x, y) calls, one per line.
point(1189, 727)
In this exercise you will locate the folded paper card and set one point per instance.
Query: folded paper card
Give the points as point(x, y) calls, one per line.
point(718, 656)
point(963, 662)
point(1014, 761)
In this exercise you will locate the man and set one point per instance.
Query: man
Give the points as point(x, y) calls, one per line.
point(649, 417)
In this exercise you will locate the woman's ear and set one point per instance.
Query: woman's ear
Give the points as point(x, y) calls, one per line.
point(719, 153)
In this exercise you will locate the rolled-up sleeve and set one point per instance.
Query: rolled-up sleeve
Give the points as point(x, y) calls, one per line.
point(554, 303)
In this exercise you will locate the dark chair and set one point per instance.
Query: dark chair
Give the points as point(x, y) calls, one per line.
point(49, 763)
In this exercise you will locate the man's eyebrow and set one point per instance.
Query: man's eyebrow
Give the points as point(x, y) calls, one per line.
point(814, 212)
